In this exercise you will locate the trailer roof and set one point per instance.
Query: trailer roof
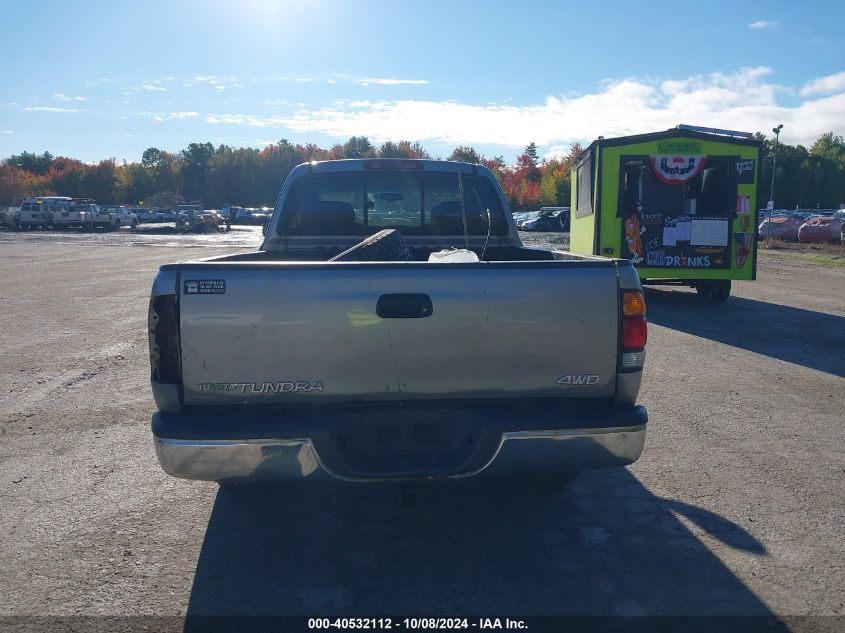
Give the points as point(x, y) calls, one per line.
point(675, 132)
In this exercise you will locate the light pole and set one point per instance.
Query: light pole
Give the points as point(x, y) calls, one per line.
point(771, 204)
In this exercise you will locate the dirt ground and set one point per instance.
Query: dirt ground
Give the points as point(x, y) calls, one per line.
point(736, 506)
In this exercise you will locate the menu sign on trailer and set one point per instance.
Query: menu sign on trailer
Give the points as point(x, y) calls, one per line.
point(677, 241)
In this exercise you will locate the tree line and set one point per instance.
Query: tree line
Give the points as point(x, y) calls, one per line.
point(223, 175)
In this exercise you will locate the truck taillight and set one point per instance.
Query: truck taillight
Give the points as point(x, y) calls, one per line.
point(634, 333)
point(634, 330)
point(164, 339)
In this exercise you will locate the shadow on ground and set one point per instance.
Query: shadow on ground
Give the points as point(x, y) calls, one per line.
point(804, 337)
point(601, 545)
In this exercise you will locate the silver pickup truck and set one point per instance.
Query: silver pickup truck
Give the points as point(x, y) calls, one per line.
point(281, 364)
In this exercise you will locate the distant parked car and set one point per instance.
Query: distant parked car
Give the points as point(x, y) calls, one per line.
point(821, 229)
point(251, 216)
point(782, 227)
point(548, 219)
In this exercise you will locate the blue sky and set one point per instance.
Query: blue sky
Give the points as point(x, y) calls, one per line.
point(95, 80)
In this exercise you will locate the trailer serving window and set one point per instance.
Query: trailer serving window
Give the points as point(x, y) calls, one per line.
point(677, 210)
point(694, 185)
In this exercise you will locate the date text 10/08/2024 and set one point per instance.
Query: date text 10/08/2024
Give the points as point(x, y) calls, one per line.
point(417, 623)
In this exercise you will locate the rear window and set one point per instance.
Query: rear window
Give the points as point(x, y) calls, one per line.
point(414, 203)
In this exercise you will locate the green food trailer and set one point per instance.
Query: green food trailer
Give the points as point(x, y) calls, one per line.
point(680, 204)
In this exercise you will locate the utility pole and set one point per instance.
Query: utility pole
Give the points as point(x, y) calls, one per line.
point(771, 204)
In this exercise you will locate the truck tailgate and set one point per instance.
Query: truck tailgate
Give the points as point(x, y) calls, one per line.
point(284, 333)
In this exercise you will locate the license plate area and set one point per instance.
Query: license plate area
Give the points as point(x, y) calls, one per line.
point(424, 443)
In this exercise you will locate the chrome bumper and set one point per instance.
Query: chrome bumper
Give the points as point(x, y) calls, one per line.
point(297, 459)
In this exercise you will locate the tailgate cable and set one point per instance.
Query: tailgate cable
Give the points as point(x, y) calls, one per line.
point(487, 239)
point(463, 209)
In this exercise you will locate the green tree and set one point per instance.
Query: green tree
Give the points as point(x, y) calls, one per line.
point(99, 181)
point(31, 162)
point(234, 178)
point(195, 167)
point(531, 153)
point(465, 154)
point(389, 149)
point(135, 183)
point(358, 147)
point(151, 157)
point(276, 162)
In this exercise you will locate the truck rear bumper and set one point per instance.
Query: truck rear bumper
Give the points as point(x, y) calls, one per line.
point(507, 453)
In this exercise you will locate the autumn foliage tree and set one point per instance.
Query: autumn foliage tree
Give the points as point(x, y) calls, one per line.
point(805, 177)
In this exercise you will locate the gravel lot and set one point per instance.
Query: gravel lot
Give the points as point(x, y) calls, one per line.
point(736, 506)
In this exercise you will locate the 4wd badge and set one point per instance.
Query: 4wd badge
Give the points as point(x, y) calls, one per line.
point(578, 379)
point(205, 287)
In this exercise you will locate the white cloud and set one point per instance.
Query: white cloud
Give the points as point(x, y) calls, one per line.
point(152, 86)
point(161, 117)
point(744, 100)
point(392, 82)
point(204, 79)
point(824, 85)
point(246, 119)
point(762, 24)
point(209, 80)
point(52, 109)
point(8, 131)
point(63, 97)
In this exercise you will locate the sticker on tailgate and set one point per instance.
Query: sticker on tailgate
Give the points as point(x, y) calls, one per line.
point(205, 286)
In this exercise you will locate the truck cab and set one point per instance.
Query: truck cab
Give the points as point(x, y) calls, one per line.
point(117, 216)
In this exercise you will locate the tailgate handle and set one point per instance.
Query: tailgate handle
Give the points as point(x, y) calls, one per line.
point(404, 306)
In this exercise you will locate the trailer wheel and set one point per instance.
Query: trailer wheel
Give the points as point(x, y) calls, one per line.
point(717, 289)
point(721, 290)
point(384, 246)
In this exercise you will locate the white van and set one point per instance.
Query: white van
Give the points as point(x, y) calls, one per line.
point(40, 211)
